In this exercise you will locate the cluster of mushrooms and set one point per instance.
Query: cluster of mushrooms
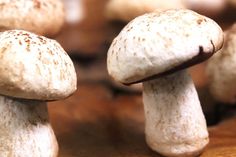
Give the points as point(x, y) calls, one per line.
point(33, 70)
point(155, 48)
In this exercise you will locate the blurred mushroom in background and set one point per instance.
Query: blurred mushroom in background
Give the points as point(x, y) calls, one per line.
point(211, 8)
point(232, 3)
point(43, 17)
point(85, 31)
point(127, 10)
point(74, 10)
point(221, 70)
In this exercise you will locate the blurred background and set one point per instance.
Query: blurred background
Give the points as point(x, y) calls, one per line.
point(105, 118)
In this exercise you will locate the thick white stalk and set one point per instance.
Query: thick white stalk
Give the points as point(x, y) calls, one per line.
point(175, 124)
point(25, 130)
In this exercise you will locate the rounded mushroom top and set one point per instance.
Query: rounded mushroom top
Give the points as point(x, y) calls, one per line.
point(34, 67)
point(160, 42)
point(44, 17)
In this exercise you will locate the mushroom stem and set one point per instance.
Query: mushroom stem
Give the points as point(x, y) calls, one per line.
point(175, 124)
point(25, 130)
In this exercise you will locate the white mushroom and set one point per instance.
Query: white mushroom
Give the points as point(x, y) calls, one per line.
point(148, 49)
point(33, 69)
point(220, 70)
point(44, 17)
point(127, 10)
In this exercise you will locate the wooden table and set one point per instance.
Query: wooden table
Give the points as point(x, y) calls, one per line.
point(96, 123)
point(103, 119)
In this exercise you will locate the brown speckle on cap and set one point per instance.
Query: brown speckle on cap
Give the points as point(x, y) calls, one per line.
point(2, 51)
point(37, 4)
point(199, 21)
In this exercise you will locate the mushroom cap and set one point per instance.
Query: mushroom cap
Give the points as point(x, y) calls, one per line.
point(158, 43)
point(44, 17)
point(221, 72)
point(127, 10)
point(34, 67)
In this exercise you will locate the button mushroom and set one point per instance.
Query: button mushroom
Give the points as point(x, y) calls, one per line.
point(33, 70)
point(44, 17)
point(220, 70)
point(156, 48)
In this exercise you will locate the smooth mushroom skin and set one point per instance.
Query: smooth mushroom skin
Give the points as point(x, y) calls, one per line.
point(158, 42)
point(175, 124)
point(43, 17)
point(127, 10)
point(34, 67)
point(25, 130)
point(221, 72)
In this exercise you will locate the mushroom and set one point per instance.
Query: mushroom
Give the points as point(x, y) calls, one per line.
point(220, 70)
point(127, 10)
point(207, 7)
point(75, 11)
point(156, 48)
point(33, 70)
point(44, 17)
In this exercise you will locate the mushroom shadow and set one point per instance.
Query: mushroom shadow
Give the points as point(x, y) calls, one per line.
point(104, 138)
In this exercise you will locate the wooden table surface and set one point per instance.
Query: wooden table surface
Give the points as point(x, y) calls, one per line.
point(96, 123)
point(103, 119)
